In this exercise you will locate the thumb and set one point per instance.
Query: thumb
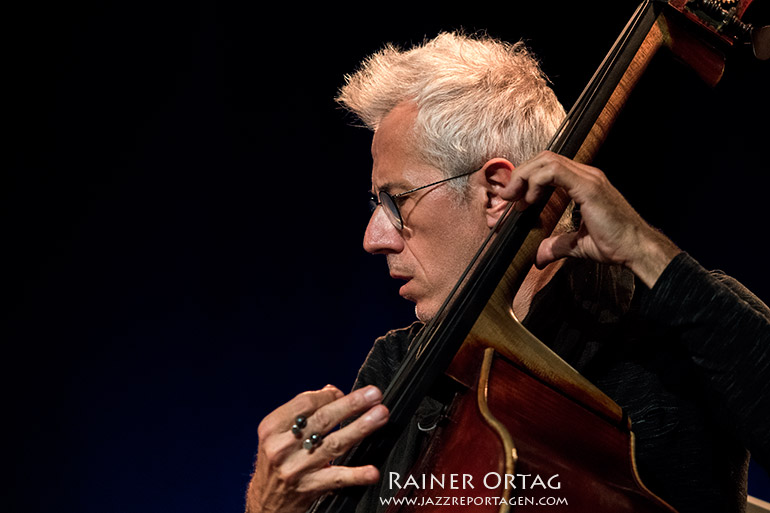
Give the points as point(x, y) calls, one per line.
point(555, 247)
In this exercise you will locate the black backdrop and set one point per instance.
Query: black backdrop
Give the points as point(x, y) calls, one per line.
point(183, 206)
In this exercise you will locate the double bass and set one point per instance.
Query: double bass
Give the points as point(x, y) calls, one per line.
point(521, 408)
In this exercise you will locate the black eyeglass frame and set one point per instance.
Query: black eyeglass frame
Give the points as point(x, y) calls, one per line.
point(388, 202)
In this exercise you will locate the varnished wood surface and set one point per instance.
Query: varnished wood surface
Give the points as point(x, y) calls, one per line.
point(593, 458)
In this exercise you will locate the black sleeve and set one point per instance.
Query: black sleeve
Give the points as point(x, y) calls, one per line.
point(725, 330)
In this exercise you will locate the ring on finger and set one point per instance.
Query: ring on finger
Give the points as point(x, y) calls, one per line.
point(299, 423)
point(311, 442)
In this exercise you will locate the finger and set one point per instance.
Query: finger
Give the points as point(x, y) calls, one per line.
point(335, 477)
point(548, 170)
point(330, 415)
point(515, 189)
point(339, 442)
point(539, 179)
point(552, 173)
point(531, 181)
point(306, 403)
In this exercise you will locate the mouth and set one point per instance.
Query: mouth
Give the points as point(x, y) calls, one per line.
point(403, 277)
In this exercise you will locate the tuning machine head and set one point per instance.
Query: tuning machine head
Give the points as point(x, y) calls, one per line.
point(721, 16)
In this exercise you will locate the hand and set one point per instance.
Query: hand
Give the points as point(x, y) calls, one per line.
point(611, 231)
point(288, 478)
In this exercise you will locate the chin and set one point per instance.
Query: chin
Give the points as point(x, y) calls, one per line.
point(424, 313)
point(427, 306)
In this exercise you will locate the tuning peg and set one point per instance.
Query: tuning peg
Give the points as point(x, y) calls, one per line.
point(726, 22)
point(758, 36)
point(760, 42)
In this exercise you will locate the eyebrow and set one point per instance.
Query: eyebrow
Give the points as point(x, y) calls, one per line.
point(389, 186)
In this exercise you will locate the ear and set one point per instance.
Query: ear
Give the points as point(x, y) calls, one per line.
point(496, 174)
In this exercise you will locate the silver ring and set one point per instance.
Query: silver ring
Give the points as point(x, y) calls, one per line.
point(299, 423)
point(311, 442)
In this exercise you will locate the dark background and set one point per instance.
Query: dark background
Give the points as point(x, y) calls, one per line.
point(183, 206)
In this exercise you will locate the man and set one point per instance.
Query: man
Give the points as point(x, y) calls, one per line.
point(459, 124)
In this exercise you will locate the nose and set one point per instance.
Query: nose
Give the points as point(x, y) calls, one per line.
point(381, 236)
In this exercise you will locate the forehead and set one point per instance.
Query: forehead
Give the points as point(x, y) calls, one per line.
point(397, 163)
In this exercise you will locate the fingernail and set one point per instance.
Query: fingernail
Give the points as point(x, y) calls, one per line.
point(377, 414)
point(372, 393)
point(373, 474)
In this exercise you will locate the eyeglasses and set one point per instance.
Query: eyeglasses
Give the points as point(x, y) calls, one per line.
point(388, 201)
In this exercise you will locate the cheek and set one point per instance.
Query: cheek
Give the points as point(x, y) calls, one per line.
point(444, 245)
point(452, 253)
